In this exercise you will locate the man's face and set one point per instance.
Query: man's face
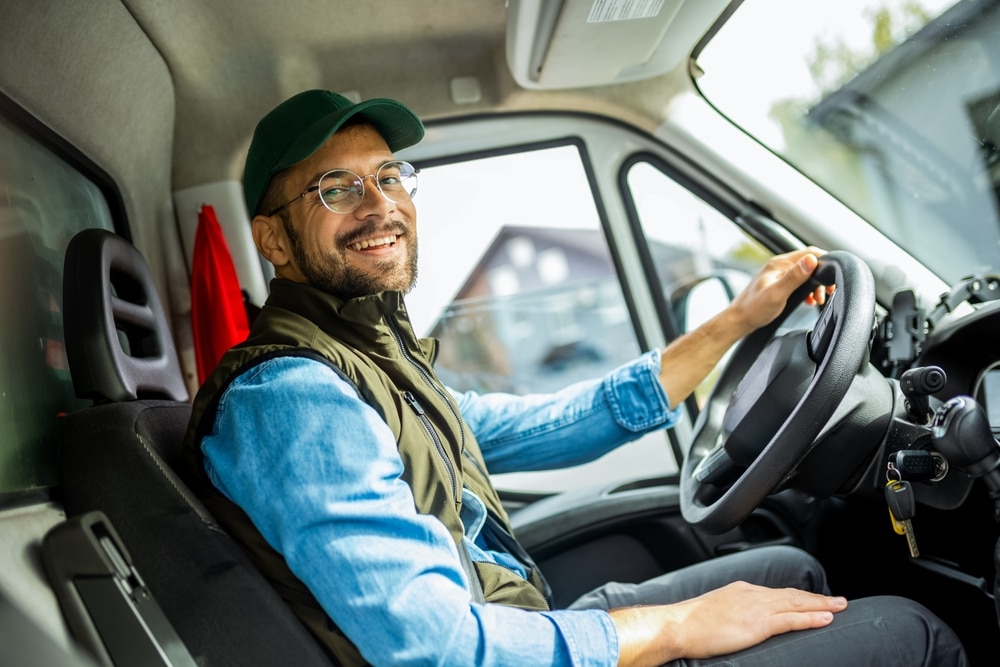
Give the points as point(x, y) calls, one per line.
point(370, 250)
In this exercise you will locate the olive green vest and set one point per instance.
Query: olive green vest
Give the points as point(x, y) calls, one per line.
point(370, 343)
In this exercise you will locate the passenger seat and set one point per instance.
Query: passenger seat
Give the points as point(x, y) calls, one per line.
point(121, 456)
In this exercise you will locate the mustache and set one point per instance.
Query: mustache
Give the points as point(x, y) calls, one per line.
point(395, 227)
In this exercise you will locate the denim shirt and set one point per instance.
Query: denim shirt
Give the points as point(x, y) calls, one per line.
point(318, 472)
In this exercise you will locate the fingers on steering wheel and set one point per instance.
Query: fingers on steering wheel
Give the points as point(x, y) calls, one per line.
point(818, 296)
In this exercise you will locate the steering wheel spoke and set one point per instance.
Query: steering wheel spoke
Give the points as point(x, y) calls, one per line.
point(717, 468)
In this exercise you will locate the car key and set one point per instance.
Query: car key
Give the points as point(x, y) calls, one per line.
point(916, 465)
point(902, 507)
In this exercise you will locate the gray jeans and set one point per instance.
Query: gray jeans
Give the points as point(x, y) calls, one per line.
point(871, 631)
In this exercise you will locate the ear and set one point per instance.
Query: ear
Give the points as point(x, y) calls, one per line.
point(270, 238)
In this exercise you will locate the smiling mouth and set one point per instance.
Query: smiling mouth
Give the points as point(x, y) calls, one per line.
point(370, 244)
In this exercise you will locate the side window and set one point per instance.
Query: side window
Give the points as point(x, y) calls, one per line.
point(702, 258)
point(43, 203)
point(517, 282)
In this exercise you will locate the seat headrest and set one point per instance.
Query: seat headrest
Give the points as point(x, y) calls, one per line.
point(118, 341)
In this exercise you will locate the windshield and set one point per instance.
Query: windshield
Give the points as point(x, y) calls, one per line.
point(893, 106)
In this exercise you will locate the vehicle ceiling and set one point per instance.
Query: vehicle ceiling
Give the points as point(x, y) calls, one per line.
point(163, 96)
point(230, 65)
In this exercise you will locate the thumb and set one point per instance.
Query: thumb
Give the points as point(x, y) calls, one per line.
point(803, 269)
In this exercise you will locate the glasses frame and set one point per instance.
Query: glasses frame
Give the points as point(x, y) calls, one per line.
point(360, 179)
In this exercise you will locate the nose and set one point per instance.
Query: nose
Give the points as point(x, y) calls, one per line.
point(373, 201)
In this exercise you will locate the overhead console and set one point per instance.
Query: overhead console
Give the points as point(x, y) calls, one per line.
point(618, 40)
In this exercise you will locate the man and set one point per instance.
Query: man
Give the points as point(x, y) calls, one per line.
point(359, 483)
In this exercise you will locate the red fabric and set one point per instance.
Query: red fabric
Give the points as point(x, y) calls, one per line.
point(218, 314)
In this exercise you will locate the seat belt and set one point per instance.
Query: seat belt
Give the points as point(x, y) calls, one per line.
point(108, 608)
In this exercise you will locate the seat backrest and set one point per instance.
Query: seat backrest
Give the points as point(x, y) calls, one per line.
point(118, 345)
point(122, 457)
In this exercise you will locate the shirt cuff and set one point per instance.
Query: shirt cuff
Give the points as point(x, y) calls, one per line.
point(590, 635)
point(636, 396)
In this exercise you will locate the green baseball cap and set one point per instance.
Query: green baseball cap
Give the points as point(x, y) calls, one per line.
point(297, 127)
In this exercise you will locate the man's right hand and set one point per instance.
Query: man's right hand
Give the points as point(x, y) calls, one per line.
point(722, 621)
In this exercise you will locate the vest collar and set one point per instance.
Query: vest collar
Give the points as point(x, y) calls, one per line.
point(363, 319)
point(329, 312)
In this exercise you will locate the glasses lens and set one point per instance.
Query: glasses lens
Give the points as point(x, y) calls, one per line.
point(341, 191)
point(397, 181)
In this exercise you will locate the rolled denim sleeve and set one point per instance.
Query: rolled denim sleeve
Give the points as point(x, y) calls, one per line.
point(576, 425)
point(318, 472)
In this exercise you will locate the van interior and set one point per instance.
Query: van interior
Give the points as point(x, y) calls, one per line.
point(585, 196)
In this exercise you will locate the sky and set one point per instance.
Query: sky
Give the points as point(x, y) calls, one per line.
point(461, 207)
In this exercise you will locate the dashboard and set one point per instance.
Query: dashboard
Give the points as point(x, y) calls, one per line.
point(964, 344)
point(968, 350)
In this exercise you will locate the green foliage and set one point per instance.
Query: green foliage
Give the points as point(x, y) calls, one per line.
point(750, 254)
point(833, 63)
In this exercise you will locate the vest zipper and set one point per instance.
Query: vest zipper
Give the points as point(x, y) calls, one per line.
point(468, 455)
point(411, 399)
point(415, 405)
point(429, 379)
point(444, 397)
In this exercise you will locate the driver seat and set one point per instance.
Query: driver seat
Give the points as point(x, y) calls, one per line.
point(122, 456)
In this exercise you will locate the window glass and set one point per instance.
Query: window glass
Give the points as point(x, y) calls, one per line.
point(892, 106)
point(702, 258)
point(43, 203)
point(517, 282)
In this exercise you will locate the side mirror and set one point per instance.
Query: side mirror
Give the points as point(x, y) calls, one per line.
point(697, 300)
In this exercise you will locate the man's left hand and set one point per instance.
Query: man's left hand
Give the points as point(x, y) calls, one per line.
point(766, 295)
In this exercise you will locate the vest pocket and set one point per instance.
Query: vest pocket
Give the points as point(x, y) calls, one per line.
point(504, 586)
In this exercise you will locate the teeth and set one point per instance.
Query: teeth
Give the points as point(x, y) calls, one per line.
point(371, 243)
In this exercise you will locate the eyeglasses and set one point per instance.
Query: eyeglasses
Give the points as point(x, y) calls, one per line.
point(342, 191)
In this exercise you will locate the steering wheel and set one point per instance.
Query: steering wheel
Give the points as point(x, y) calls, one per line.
point(774, 397)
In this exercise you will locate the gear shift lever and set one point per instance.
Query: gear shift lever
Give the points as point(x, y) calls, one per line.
point(961, 432)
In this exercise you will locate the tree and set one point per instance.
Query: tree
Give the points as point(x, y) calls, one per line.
point(833, 63)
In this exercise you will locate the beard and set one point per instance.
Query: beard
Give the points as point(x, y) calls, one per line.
point(332, 272)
